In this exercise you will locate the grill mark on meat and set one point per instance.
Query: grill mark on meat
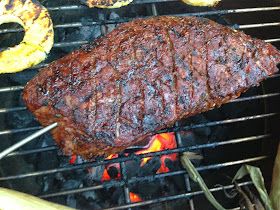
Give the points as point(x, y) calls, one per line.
point(119, 101)
point(159, 94)
point(191, 69)
point(174, 73)
point(226, 52)
point(185, 72)
point(209, 92)
point(204, 54)
point(95, 102)
point(91, 114)
point(142, 107)
point(212, 98)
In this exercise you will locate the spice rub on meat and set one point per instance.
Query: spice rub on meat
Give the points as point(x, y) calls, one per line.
point(142, 77)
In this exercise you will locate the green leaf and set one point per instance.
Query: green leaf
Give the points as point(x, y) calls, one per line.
point(257, 178)
point(195, 176)
point(275, 185)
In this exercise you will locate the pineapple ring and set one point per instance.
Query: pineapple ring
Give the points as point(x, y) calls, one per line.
point(38, 38)
point(202, 3)
point(110, 4)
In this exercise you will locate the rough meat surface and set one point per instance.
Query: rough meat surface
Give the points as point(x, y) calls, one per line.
point(142, 77)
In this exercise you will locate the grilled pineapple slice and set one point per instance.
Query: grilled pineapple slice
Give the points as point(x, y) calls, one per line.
point(110, 4)
point(38, 39)
point(119, 3)
point(202, 3)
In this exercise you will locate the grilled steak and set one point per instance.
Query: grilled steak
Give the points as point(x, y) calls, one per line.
point(142, 77)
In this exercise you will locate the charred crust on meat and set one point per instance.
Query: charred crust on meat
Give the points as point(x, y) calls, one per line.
point(59, 104)
point(124, 87)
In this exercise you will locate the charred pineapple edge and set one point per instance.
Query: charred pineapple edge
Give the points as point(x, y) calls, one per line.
point(38, 38)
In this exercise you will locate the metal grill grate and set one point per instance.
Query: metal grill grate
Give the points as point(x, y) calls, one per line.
point(263, 97)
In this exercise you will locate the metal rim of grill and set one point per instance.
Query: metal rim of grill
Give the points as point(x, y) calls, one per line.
point(124, 181)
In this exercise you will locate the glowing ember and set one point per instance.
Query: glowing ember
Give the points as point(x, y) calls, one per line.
point(73, 159)
point(134, 197)
point(160, 142)
point(106, 176)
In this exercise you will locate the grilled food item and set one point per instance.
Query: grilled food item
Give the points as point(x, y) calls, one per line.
point(107, 3)
point(202, 3)
point(142, 77)
point(119, 3)
point(13, 200)
point(38, 39)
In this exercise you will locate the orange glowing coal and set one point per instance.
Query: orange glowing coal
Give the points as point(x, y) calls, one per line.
point(73, 159)
point(134, 197)
point(158, 143)
point(106, 176)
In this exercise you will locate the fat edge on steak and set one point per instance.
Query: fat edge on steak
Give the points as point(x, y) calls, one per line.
point(142, 77)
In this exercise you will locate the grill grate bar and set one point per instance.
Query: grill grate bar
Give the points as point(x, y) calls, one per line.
point(26, 140)
point(19, 130)
point(237, 162)
point(154, 9)
point(12, 88)
point(77, 24)
point(249, 98)
point(154, 177)
point(69, 7)
point(174, 129)
point(125, 187)
point(14, 109)
point(175, 197)
point(33, 151)
point(70, 44)
point(132, 157)
point(188, 183)
point(109, 22)
point(165, 152)
point(186, 176)
point(98, 187)
point(272, 40)
point(258, 25)
point(231, 11)
point(232, 141)
point(41, 65)
point(216, 123)
point(84, 189)
point(122, 20)
point(274, 75)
